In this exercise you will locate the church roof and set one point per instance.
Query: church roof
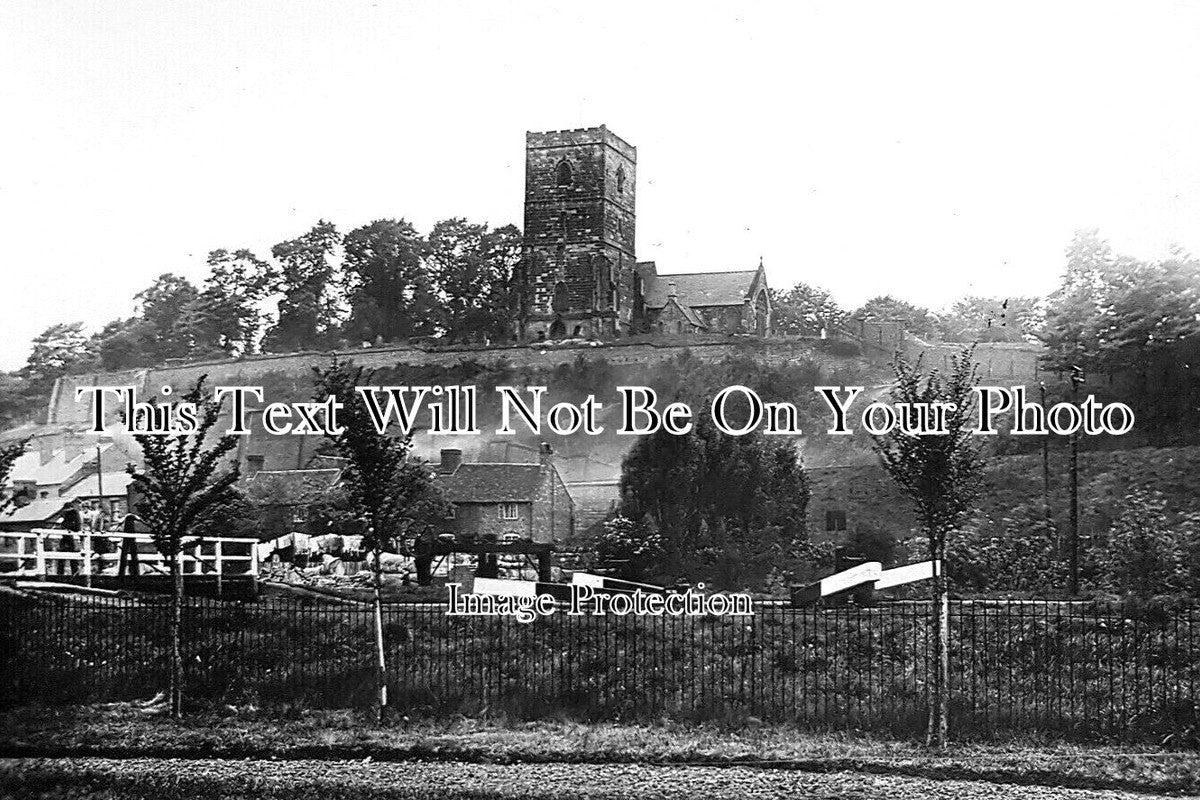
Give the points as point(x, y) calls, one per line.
point(688, 312)
point(698, 289)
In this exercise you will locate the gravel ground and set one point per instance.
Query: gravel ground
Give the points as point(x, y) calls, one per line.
point(164, 779)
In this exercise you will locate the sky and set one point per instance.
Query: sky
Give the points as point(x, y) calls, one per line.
point(920, 149)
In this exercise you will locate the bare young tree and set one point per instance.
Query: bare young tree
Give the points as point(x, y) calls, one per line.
point(940, 474)
point(388, 490)
point(181, 483)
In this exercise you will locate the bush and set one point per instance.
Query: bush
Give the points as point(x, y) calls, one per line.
point(1144, 555)
point(634, 548)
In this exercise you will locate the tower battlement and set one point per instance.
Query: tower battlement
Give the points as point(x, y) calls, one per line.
point(580, 136)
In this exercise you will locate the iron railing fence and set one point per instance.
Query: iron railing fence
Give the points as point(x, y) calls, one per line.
point(1081, 670)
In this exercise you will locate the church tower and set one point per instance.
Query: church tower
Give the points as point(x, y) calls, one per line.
point(578, 264)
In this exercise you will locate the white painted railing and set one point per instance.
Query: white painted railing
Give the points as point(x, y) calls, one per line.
point(35, 552)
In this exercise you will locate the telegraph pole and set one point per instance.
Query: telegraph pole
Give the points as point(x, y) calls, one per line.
point(1045, 464)
point(99, 477)
point(1073, 552)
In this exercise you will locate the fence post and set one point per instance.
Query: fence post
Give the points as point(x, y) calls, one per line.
point(40, 553)
point(217, 554)
point(86, 555)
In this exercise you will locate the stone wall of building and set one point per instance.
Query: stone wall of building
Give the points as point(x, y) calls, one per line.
point(484, 518)
point(553, 510)
point(578, 260)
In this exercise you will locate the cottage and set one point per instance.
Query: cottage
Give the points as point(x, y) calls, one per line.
point(529, 500)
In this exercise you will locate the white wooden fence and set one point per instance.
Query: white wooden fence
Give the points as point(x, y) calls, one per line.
point(39, 554)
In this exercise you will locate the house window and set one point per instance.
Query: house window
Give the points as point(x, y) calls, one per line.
point(299, 515)
point(509, 511)
point(563, 173)
point(450, 512)
point(835, 521)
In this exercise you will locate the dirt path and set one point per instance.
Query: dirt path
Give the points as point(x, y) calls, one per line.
point(165, 779)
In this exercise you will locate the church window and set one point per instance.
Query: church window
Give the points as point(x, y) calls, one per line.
point(560, 296)
point(563, 173)
point(620, 180)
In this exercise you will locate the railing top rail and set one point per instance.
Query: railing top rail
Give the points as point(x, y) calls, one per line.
point(38, 532)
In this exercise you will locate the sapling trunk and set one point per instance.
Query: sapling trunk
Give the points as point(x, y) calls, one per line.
point(380, 664)
point(937, 732)
point(176, 636)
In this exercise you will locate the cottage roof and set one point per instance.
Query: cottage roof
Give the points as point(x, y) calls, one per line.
point(35, 512)
point(58, 469)
point(491, 483)
point(698, 289)
point(114, 484)
point(296, 482)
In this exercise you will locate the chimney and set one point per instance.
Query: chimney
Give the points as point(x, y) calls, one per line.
point(545, 454)
point(73, 446)
point(45, 450)
point(254, 464)
point(451, 459)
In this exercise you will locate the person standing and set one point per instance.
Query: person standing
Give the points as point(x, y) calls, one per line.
point(72, 521)
point(129, 549)
point(101, 545)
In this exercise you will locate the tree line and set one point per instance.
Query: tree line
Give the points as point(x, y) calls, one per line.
point(1124, 328)
point(384, 282)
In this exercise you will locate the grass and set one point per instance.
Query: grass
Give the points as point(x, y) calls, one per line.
point(124, 732)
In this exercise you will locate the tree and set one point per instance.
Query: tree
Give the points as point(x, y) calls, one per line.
point(55, 352)
point(387, 285)
point(941, 475)
point(122, 344)
point(390, 491)
point(309, 308)
point(161, 309)
point(225, 317)
point(9, 454)
point(19, 400)
point(885, 308)
point(805, 310)
point(731, 505)
point(1072, 330)
point(1134, 323)
point(182, 485)
point(989, 319)
point(472, 268)
point(1144, 555)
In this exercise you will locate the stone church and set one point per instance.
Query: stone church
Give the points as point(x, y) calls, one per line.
point(580, 276)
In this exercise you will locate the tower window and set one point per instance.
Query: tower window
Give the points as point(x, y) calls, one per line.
point(621, 179)
point(563, 173)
